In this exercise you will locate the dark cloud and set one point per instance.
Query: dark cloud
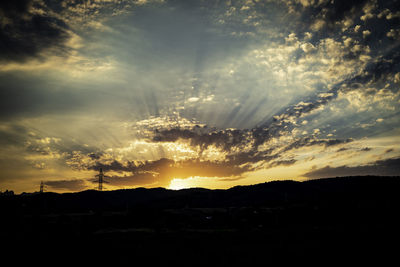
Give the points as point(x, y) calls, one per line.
point(337, 19)
point(388, 167)
point(242, 145)
point(287, 119)
point(26, 96)
point(334, 11)
point(15, 8)
point(252, 156)
point(366, 149)
point(69, 185)
point(25, 34)
point(13, 135)
point(115, 166)
point(389, 150)
point(283, 163)
point(230, 139)
point(224, 139)
point(308, 141)
point(329, 14)
point(135, 180)
point(161, 172)
point(383, 66)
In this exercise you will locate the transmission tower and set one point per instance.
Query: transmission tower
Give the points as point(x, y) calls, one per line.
point(101, 177)
point(41, 187)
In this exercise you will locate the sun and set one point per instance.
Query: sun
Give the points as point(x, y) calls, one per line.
point(178, 183)
point(189, 182)
point(199, 181)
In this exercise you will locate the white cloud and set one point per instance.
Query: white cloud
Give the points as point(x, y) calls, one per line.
point(393, 15)
point(397, 78)
point(367, 17)
point(318, 25)
point(386, 13)
point(307, 36)
point(366, 33)
point(393, 33)
point(383, 13)
point(307, 47)
point(291, 38)
point(370, 6)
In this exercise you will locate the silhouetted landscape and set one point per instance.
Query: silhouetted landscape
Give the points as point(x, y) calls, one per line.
point(350, 218)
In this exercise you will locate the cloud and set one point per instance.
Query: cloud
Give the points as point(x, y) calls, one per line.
point(12, 134)
point(308, 141)
point(242, 139)
point(366, 33)
point(366, 149)
point(67, 185)
point(283, 163)
point(327, 17)
point(224, 139)
point(387, 167)
point(242, 146)
point(160, 172)
point(393, 33)
point(247, 147)
point(379, 69)
point(18, 99)
point(26, 30)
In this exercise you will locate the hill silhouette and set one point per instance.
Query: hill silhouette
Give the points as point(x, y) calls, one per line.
point(349, 218)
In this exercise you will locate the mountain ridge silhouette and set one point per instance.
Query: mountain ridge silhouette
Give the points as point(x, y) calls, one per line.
point(268, 193)
point(352, 219)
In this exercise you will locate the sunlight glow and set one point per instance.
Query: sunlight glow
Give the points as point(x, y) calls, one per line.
point(178, 184)
point(198, 181)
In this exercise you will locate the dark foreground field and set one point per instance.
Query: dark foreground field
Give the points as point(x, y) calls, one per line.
point(339, 220)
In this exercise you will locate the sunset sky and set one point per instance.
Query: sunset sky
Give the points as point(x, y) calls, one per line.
point(185, 93)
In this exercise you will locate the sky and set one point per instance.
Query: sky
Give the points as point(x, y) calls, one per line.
point(185, 93)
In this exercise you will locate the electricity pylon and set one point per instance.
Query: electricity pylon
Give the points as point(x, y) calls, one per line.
point(101, 177)
point(41, 187)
